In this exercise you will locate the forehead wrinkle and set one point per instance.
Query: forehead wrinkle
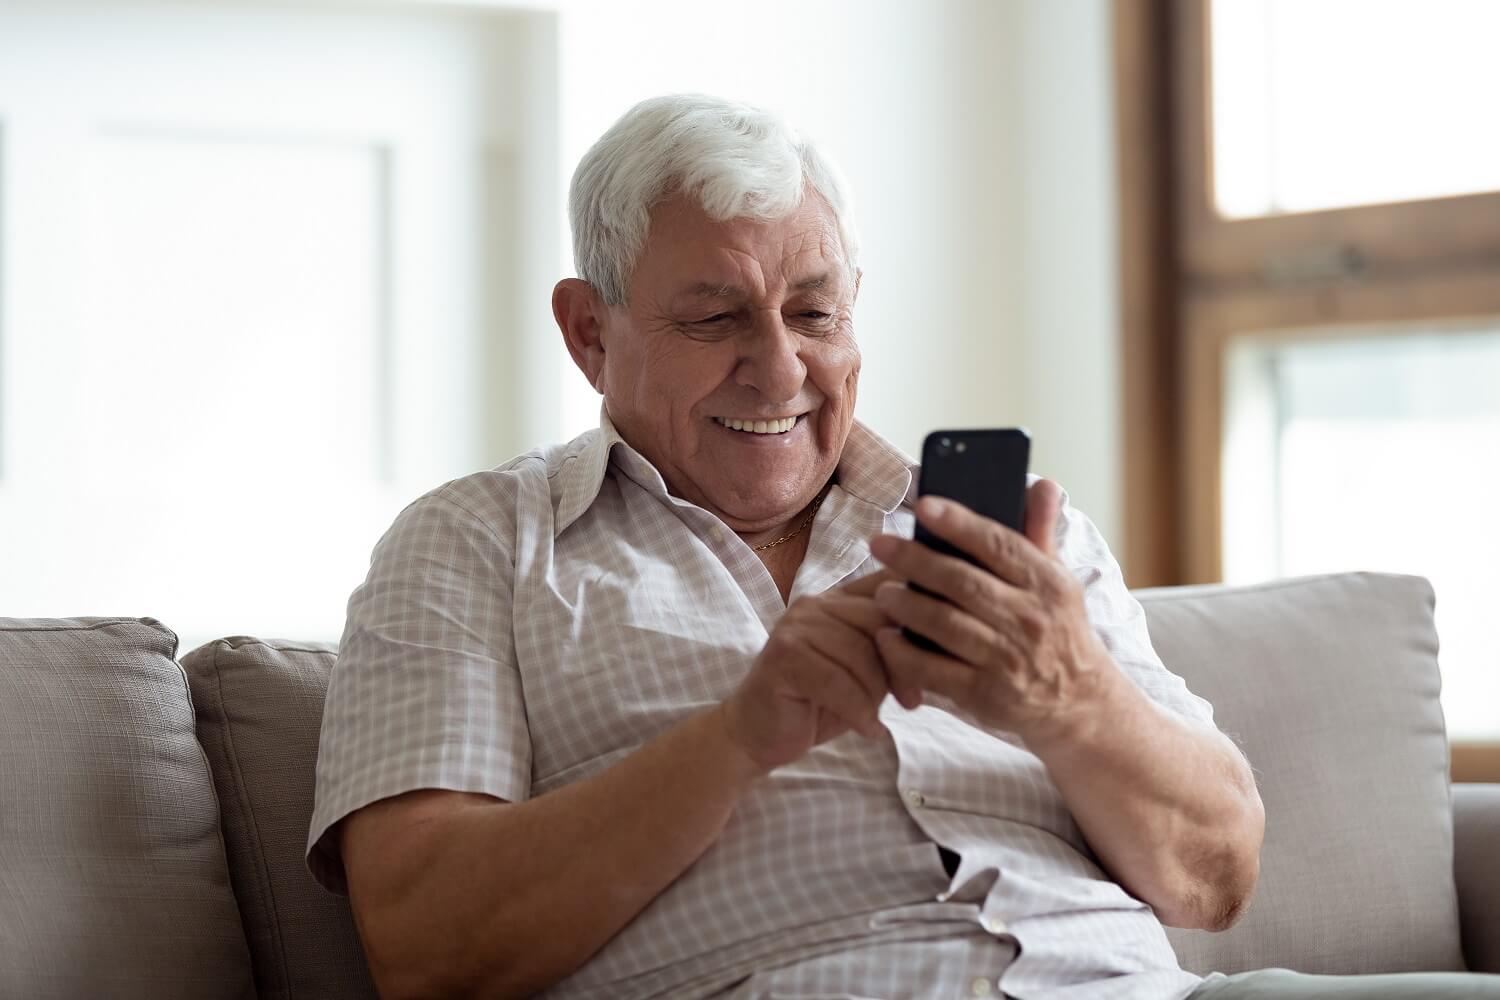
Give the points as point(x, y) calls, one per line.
point(713, 290)
point(763, 271)
point(823, 246)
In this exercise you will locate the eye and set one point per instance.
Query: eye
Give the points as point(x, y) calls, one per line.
point(814, 314)
point(711, 329)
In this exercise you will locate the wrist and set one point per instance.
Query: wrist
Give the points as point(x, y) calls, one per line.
point(726, 744)
point(1102, 702)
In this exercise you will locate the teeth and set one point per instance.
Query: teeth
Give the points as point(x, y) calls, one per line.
point(759, 426)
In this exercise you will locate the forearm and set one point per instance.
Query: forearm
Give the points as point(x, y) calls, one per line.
point(501, 900)
point(1170, 808)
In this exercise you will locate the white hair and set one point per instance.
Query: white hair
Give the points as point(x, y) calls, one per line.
point(737, 160)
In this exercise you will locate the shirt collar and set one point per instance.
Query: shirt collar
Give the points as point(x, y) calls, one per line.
point(871, 469)
point(876, 471)
point(581, 469)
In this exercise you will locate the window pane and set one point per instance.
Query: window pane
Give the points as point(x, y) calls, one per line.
point(1328, 103)
point(215, 401)
point(1380, 453)
point(253, 256)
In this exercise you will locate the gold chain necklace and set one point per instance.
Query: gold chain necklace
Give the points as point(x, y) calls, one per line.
point(817, 502)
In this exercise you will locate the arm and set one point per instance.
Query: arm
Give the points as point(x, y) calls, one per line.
point(465, 894)
point(1169, 806)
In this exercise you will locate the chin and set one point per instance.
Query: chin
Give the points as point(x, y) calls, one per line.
point(757, 506)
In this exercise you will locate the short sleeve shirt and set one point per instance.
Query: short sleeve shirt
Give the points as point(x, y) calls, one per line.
point(529, 626)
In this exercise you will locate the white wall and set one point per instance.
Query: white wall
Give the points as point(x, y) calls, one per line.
point(243, 255)
point(1067, 286)
point(978, 137)
point(910, 100)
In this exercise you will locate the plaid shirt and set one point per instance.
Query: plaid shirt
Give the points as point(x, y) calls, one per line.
point(527, 627)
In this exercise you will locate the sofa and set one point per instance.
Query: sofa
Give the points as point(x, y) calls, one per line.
point(153, 812)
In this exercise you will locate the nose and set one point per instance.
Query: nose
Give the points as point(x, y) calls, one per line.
point(769, 358)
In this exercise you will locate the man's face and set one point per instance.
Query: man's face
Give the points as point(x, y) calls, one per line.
point(736, 321)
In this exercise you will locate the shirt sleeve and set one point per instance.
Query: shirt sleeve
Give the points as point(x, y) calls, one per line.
point(426, 692)
point(1118, 617)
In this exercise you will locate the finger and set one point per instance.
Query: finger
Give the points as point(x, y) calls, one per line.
point(960, 633)
point(1007, 554)
point(907, 694)
point(933, 672)
point(866, 615)
point(866, 585)
point(1043, 506)
point(860, 612)
point(854, 652)
point(982, 594)
point(830, 687)
point(829, 726)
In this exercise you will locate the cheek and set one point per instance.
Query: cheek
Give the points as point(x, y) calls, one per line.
point(835, 371)
point(683, 375)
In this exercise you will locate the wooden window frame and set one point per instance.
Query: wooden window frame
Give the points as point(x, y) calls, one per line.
point(1192, 281)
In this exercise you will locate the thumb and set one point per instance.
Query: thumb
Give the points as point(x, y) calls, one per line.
point(1043, 505)
point(866, 585)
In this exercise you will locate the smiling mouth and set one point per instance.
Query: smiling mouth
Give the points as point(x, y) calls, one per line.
point(780, 426)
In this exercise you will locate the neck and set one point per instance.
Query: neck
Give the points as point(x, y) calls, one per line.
point(794, 527)
point(783, 562)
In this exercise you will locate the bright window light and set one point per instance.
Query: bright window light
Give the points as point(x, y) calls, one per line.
point(1377, 453)
point(1322, 104)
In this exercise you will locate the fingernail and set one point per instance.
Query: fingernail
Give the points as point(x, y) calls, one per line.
point(932, 508)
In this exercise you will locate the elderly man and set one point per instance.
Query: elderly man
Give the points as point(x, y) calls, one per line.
point(635, 716)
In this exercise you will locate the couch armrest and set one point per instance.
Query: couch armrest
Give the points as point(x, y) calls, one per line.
point(1476, 869)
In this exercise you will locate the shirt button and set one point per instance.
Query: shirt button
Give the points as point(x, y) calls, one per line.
point(718, 534)
point(993, 924)
point(980, 987)
point(915, 798)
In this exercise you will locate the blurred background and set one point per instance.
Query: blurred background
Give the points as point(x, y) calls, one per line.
point(268, 271)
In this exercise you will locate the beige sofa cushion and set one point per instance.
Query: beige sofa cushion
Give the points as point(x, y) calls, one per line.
point(260, 707)
point(1330, 686)
point(112, 874)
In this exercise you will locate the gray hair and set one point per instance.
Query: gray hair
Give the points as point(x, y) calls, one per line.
point(739, 161)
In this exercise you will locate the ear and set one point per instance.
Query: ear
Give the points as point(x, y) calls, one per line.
point(580, 314)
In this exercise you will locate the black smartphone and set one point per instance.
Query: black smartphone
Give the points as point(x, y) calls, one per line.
point(985, 470)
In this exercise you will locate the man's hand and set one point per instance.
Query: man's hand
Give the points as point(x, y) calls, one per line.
point(818, 676)
point(1168, 805)
point(1022, 654)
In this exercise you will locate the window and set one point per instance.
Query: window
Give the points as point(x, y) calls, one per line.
point(1311, 230)
point(1375, 449)
point(1320, 104)
point(251, 298)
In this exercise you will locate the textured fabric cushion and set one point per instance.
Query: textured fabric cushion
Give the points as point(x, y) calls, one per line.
point(1330, 686)
point(260, 707)
point(1476, 867)
point(112, 872)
